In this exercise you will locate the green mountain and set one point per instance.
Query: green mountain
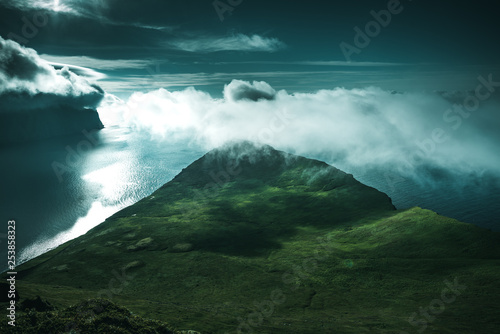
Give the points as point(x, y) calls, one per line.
point(248, 239)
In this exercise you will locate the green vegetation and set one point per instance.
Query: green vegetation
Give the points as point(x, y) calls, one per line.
point(278, 244)
point(90, 316)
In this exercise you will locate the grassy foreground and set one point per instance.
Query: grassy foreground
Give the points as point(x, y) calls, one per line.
point(248, 239)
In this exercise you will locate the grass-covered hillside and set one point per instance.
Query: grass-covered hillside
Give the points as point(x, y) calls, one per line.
point(248, 239)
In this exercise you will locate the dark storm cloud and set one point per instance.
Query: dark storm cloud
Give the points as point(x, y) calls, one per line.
point(27, 82)
point(130, 30)
point(439, 32)
point(241, 90)
point(106, 11)
point(187, 37)
point(16, 63)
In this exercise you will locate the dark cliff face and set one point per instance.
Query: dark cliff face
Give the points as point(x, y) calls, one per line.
point(25, 126)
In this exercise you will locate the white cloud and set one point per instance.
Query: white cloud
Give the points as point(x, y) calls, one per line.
point(28, 82)
point(359, 127)
point(50, 5)
point(91, 9)
point(99, 64)
point(238, 42)
point(81, 71)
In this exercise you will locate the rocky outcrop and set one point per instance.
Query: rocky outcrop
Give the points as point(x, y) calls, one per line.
point(24, 126)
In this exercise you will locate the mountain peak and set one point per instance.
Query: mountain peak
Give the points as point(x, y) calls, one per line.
point(246, 221)
point(247, 160)
point(242, 169)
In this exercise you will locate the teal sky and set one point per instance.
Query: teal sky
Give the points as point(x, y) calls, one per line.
point(293, 45)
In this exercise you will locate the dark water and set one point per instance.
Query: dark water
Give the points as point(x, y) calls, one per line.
point(93, 178)
point(468, 199)
point(97, 175)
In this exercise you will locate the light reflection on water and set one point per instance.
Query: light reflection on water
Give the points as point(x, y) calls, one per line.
point(97, 214)
point(123, 167)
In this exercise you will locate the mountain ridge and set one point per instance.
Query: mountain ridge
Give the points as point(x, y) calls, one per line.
point(248, 225)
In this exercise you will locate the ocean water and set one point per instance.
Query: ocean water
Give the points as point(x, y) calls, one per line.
point(58, 189)
point(466, 198)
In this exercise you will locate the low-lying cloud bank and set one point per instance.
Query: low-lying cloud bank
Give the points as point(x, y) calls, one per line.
point(411, 133)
